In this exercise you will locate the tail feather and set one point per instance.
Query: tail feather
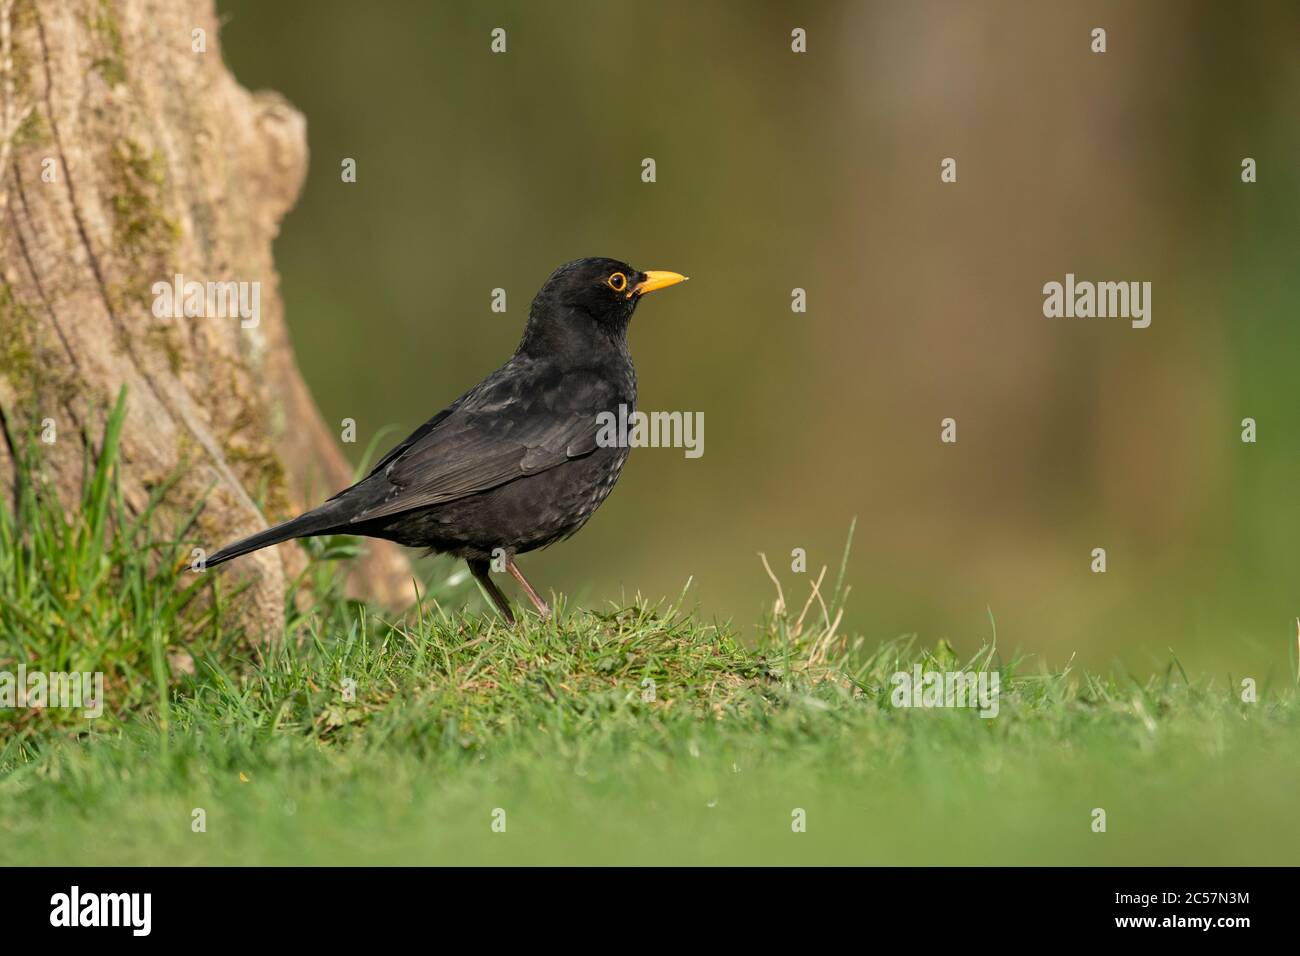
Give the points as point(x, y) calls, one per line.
point(321, 521)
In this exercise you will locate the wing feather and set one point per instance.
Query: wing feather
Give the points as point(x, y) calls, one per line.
point(494, 434)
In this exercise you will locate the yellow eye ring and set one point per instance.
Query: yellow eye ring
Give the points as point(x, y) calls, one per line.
point(617, 282)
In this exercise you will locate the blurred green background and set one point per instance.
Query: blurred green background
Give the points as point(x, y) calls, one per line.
point(821, 171)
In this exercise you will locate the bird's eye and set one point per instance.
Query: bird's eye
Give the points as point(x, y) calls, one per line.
point(617, 282)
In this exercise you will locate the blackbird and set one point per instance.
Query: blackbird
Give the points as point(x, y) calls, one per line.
point(513, 464)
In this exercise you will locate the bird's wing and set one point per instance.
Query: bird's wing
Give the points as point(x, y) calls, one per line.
point(504, 429)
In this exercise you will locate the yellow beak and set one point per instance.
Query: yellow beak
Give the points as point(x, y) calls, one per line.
point(656, 280)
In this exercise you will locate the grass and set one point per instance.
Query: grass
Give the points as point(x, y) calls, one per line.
point(639, 734)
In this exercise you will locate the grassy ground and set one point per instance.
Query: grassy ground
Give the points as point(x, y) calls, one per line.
point(467, 742)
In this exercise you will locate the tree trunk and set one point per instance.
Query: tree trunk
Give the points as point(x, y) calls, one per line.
point(129, 155)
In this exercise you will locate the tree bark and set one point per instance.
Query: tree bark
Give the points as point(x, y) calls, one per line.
point(129, 155)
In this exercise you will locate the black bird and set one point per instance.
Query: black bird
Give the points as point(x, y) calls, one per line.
point(513, 464)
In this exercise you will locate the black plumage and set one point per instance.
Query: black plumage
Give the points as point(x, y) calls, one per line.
point(513, 464)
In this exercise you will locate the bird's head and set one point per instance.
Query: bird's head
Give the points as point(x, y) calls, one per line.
point(590, 297)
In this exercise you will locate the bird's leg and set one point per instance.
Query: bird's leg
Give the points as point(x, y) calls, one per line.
point(483, 574)
point(533, 596)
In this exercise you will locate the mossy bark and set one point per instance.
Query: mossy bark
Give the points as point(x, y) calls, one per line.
point(130, 155)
